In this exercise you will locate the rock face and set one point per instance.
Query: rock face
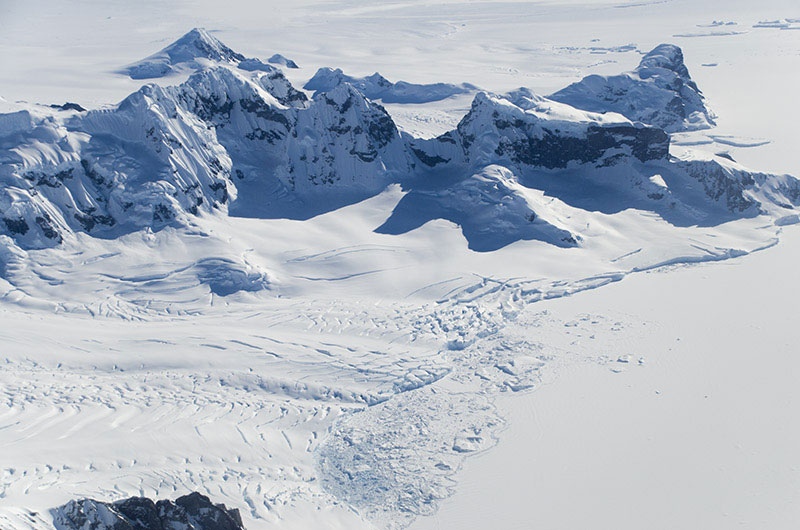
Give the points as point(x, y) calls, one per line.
point(526, 130)
point(658, 92)
point(193, 511)
point(376, 86)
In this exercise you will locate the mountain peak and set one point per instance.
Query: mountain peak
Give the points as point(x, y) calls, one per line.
point(197, 44)
point(658, 92)
point(282, 61)
point(668, 56)
point(195, 50)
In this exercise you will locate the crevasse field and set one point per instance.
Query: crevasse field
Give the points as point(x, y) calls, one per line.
point(498, 294)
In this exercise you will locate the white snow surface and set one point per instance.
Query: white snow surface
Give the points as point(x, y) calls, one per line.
point(310, 370)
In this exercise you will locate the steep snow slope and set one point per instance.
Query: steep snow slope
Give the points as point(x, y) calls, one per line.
point(492, 208)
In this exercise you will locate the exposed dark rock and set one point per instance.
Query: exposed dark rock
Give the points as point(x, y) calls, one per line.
point(45, 223)
point(190, 512)
point(16, 226)
point(429, 160)
point(162, 213)
point(89, 220)
point(68, 106)
point(91, 173)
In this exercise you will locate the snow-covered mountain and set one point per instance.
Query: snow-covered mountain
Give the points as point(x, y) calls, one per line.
point(193, 51)
point(187, 52)
point(376, 86)
point(248, 142)
point(286, 149)
point(167, 153)
point(280, 60)
point(658, 92)
point(527, 130)
point(600, 162)
point(145, 163)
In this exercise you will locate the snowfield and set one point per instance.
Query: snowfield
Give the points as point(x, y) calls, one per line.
point(331, 306)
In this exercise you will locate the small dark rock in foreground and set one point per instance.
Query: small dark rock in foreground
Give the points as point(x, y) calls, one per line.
point(190, 512)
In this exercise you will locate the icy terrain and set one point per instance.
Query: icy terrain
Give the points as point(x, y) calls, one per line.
point(305, 302)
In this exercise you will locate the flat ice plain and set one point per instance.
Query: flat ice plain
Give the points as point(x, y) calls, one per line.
point(237, 398)
point(701, 435)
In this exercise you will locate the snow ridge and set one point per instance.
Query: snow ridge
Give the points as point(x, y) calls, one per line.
point(195, 50)
point(376, 86)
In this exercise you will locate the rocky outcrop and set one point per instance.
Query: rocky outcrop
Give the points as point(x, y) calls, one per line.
point(738, 190)
point(526, 130)
point(658, 92)
point(193, 511)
